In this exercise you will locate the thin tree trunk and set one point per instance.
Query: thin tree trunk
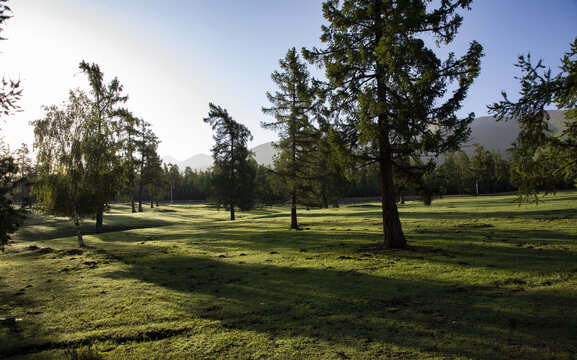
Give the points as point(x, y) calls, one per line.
point(294, 222)
point(140, 195)
point(232, 182)
point(72, 195)
point(133, 205)
point(99, 220)
point(324, 196)
point(392, 231)
point(77, 225)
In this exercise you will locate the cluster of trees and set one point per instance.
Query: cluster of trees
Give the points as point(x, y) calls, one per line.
point(390, 103)
point(386, 100)
point(376, 126)
point(90, 151)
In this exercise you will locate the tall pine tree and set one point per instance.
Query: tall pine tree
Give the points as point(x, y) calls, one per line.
point(233, 174)
point(391, 91)
point(294, 107)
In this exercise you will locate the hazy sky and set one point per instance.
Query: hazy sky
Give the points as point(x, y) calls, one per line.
point(174, 57)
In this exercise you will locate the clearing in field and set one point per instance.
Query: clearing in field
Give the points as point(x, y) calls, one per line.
point(483, 279)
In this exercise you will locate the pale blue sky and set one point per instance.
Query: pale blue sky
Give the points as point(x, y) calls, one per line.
point(174, 57)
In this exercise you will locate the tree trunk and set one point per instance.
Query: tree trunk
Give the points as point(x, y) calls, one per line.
point(99, 217)
point(140, 196)
point(133, 206)
point(324, 196)
point(72, 194)
point(232, 217)
point(294, 222)
point(78, 230)
point(392, 230)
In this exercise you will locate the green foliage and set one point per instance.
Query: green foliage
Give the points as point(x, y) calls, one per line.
point(61, 166)
point(233, 172)
point(128, 126)
point(544, 159)
point(100, 147)
point(85, 151)
point(10, 91)
point(10, 217)
point(386, 87)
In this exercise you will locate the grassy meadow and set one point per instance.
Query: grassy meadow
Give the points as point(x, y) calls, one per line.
point(483, 279)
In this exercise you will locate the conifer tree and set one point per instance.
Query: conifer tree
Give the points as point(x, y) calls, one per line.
point(390, 92)
point(129, 136)
point(294, 106)
point(543, 158)
point(149, 161)
point(233, 174)
point(10, 93)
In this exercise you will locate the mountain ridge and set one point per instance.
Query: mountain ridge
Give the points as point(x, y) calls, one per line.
point(485, 130)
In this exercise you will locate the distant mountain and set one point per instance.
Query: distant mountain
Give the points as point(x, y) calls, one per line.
point(264, 153)
point(500, 135)
point(492, 135)
point(196, 162)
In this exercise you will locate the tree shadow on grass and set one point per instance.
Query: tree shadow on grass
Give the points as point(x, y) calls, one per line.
point(359, 310)
point(39, 228)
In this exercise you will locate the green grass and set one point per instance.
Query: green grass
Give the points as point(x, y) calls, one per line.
point(483, 279)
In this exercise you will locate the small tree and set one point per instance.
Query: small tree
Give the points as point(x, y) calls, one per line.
point(483, 169)
point(128, 139)
point(148, 163)
point(294, 108)
point(233, 173)
point(542, 158)
point(25, 167)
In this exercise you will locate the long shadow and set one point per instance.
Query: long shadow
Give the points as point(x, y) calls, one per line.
point(360, 310)
point(528, 251)
point(455, 213)
point(55, 228)
point(538, 214)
